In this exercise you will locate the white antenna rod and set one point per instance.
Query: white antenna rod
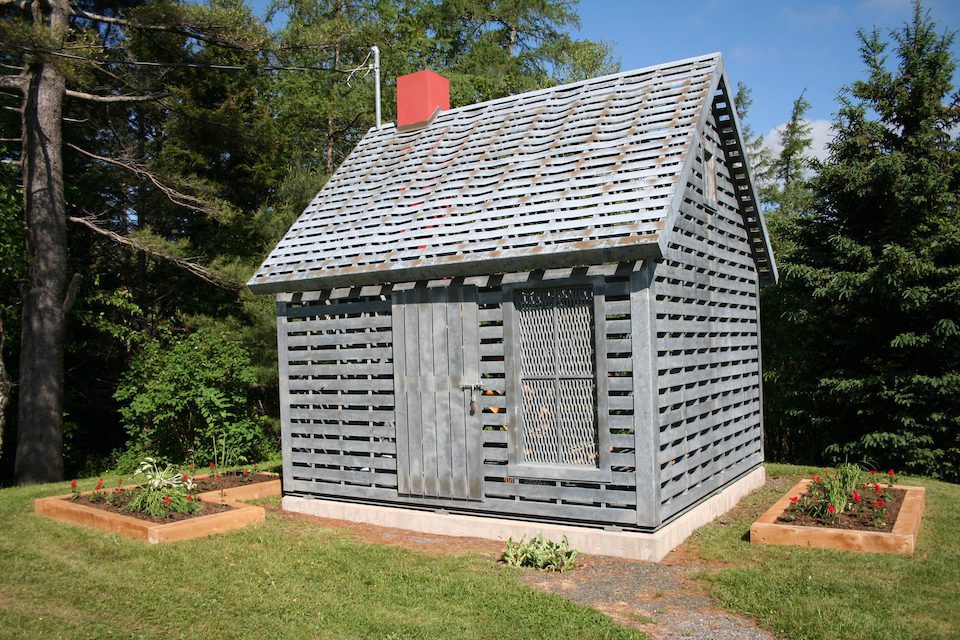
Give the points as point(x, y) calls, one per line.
point(376, 80)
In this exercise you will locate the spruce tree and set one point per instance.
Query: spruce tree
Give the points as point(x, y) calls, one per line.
point(875, 357)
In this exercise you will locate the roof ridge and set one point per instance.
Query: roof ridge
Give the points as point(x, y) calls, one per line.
point(716, 56)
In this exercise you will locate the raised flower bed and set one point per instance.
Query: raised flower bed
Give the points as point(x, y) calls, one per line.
point(217, 510)
point(871, 517)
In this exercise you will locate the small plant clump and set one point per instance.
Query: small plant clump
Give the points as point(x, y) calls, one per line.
point(166, 490)
point(849, 488)
point(540, 553)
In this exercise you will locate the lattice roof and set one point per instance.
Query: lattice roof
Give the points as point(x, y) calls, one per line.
point(575, 174)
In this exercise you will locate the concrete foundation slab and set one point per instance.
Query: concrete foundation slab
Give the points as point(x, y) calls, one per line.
point(625, 544)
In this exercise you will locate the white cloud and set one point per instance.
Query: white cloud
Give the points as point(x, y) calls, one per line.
point(821, 132)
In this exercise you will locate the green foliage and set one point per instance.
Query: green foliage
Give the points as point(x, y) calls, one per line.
point(869, 367)
point(163, 492)
point(540, 553)
point(217, 170)
point(824, 593)
point(831, 490)
point(184, 394)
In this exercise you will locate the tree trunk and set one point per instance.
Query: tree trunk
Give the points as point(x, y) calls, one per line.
point(6, 387)
point(40, 424)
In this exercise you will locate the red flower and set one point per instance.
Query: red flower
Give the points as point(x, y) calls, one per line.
point(876, 487)
point(831, 508)
point(890, 473)
point(794, 499)
point(816, 478)
point(120, 481)
point(191, 466)
point(873, 472)
point(73, 484)
point(184, 477)
point(190, 498)
point(245, 473)
point(166, 500)
point(99, 484)
point(879, 504)
point(212, 465)
point(856, 497)
point(116, 490)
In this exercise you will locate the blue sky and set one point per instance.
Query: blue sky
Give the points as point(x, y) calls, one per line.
point(777, 47)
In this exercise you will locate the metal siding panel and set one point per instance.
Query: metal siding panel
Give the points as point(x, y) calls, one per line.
point(708, 319)
point(286, 441)
point(471, 374)
point(442, 396)
point(646, 431)
point(414, 443)
point(428, 393)
point(458, 414)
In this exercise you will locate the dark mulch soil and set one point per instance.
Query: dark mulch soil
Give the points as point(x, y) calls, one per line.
point(858, 519)
point(230, 480)
point(124, 497)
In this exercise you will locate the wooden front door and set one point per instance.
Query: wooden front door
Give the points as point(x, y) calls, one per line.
point(436, 360)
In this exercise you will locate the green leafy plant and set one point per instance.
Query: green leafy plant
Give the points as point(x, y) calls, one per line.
point(165, 490)
point(188, 398)
point(848, 488)
point(540, 553)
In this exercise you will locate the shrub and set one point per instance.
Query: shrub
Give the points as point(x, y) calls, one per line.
point(540, 553)
point(185, 396)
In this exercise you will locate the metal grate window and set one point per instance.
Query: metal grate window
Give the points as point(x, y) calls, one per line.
point(557, 374)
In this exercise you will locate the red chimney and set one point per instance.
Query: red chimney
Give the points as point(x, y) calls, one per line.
point(419, 96)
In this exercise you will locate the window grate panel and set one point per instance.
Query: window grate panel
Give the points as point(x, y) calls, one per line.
point(557, 376)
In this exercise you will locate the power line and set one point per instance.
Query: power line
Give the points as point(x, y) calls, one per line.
point(193, 65)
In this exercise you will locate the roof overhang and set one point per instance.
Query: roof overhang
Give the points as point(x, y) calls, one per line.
point(487, 265)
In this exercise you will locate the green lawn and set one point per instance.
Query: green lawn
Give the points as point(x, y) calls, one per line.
point(292, 579)
point(284, 579)
point(812, 593)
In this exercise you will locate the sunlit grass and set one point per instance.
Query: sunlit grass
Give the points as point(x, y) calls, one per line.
point(286, 579)
point(818, 593)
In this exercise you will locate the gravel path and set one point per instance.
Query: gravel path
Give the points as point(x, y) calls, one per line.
point(658, 599)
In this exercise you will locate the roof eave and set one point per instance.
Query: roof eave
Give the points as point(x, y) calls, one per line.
point(768, 275)
point(487, 266)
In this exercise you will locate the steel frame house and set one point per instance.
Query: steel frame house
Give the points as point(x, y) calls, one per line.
point(542, 307)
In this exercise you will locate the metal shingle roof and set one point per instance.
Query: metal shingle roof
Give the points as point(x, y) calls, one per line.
point(577, 173)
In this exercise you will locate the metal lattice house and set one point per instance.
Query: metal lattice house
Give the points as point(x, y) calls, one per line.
point(538, 313)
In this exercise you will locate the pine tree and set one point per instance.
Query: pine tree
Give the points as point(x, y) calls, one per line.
point(876, 277)
point(68, 57)
point(787, 197)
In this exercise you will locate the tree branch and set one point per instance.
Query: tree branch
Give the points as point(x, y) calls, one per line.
point(181, 30)
point(14, 83)
point(176, 197)
point(80, 95)
point(199, 271)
